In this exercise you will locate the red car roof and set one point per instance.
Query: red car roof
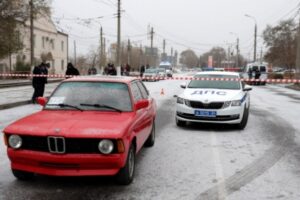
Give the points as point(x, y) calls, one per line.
point(99, 78)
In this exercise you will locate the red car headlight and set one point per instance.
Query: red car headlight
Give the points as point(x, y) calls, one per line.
point(106, 146)
point(15, 141)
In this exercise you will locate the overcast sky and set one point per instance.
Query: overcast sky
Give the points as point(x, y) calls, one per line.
point(194, 24)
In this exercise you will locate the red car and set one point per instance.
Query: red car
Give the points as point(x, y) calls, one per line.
point(90, 126)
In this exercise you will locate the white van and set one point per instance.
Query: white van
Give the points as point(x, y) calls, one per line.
point(252, 67)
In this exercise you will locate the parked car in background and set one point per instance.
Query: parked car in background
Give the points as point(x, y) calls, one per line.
point(162, 73)
point(151, 74)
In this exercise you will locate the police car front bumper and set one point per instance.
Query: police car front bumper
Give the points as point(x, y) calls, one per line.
point(229, 115)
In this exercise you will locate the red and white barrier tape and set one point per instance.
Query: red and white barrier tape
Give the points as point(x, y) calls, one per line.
point(187, 78)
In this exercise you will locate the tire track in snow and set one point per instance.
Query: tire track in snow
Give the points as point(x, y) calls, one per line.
point(284, 142)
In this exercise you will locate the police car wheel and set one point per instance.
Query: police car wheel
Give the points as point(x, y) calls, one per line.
point(180, 123)
point(244, 121)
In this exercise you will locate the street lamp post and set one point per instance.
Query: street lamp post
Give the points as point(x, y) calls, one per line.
point(255, 35)
point(237, 48)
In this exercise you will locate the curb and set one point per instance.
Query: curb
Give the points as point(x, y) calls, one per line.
point(15, 104)
point(24, 83)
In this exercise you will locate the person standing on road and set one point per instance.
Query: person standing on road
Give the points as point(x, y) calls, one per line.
point(112, 70)
point(127, 70)
point(71, 70)
point(38, 83)
point(257, 76)
point(250, 73)
point(142, 70)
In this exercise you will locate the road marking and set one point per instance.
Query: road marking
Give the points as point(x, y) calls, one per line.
point(222, 193)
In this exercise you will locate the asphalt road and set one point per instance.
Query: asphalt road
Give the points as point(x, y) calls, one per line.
point(197, 162)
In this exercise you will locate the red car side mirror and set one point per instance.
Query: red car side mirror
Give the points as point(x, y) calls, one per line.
point(141, 104)
point(42, 101)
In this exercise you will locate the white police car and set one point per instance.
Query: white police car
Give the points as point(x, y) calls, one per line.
point(214, 97)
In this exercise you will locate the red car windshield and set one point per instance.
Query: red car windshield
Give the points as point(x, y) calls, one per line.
point(83, 95)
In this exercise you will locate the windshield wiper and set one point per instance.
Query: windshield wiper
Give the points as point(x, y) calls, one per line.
point(102, 106)
point(62, 105)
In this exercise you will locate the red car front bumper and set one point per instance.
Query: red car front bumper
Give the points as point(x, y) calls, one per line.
point(66, 164)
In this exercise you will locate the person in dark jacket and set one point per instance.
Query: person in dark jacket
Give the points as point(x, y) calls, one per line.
point(71, 70)
point(111, 70)
point(38, 83)
point(127, 70)
point(257, 76)
point(142, 70)
point(92, 71)
point(250, 73)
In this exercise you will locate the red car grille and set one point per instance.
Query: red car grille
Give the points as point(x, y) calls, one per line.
point(62, 145)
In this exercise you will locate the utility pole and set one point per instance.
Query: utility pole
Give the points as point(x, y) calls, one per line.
point(255, 35)
point(128, 52)
point(237, 52)
point(261, 55)
point(164, 46)
point(75, 53)
point(101, 47)
point(141, 55)
point(118, 60)
point(255, 41)
point(228, 56)
point(152, 54)
point(31, 33)
point(298, 52)
point(104, 51)
point(172, 56)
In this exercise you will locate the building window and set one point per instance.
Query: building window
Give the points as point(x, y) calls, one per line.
point(62, 45)
point(52, 43)
point(62, 65)
point(43, 42)
point(53, 64)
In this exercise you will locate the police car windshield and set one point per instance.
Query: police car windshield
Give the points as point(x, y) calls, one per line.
point(81, 94)
point(215, 84)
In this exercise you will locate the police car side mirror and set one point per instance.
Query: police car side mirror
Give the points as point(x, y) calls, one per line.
point(247, 88)
point(183, 85)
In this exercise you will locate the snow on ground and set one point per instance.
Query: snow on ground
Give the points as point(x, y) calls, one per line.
point(282, 180)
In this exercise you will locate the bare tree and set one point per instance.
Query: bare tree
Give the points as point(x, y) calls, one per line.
point(189, 58)
point(281, 41)
point(218, 54)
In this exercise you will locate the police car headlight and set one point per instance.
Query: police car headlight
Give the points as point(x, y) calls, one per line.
point(236, 103)
point(226, 104)
point(15, 141)
point(180, 100)
point(106, 146)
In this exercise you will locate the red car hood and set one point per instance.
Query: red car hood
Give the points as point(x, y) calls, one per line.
point(73, 124)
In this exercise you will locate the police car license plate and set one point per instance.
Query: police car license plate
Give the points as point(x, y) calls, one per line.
point(205, 113)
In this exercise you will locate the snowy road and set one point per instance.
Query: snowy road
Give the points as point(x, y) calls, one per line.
point(197, 162)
